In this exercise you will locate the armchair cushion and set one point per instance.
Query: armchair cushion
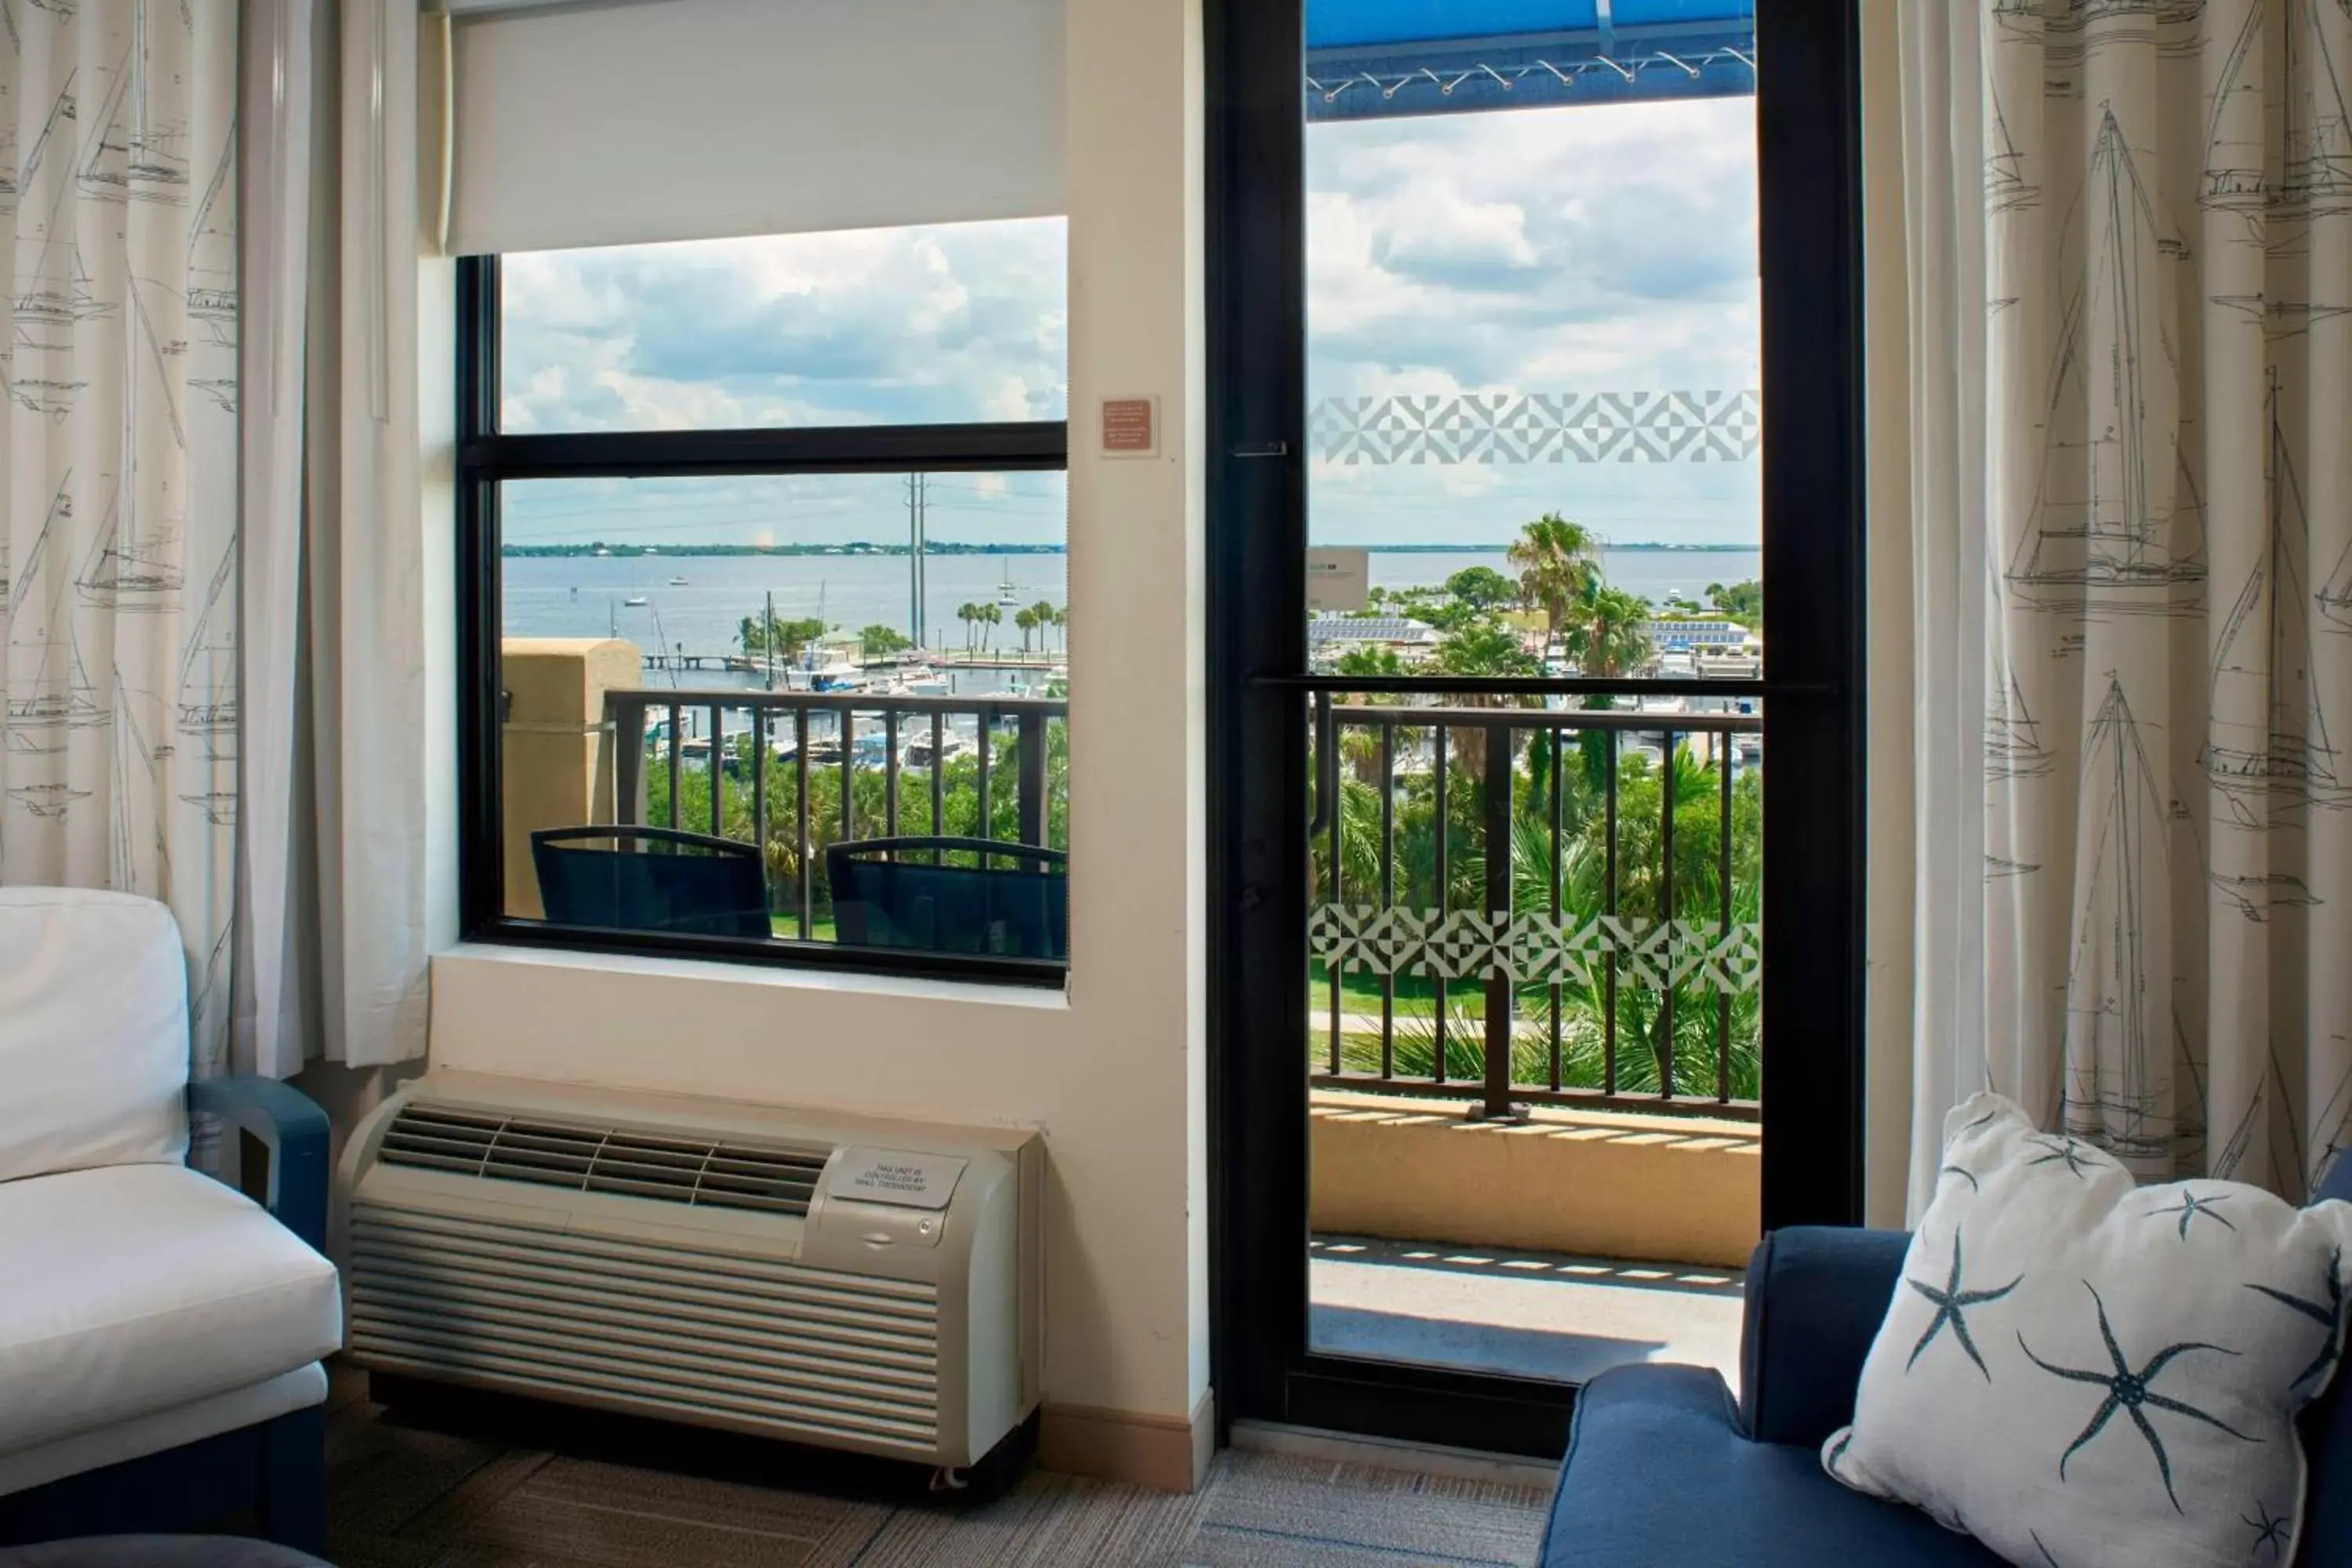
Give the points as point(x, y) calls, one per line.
point(94, 1032)
point(136, 1289)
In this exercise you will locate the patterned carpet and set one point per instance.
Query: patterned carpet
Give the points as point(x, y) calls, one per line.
point(407, 1496)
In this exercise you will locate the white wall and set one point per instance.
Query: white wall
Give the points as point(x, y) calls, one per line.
point(1114, 1071)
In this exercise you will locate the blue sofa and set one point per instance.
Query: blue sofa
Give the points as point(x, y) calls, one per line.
point(1665, 1467)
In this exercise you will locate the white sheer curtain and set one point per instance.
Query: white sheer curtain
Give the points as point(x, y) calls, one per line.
point(118, 462)
point(2131, 332)
point(335, 853)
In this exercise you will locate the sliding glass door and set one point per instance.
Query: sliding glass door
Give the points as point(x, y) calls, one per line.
point(1536, 427)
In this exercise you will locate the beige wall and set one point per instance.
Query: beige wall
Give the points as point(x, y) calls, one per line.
point(1672, 1189)
point(555, 767)
point(1113, 1072)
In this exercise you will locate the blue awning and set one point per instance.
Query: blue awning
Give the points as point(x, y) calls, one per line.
point(1372, 58)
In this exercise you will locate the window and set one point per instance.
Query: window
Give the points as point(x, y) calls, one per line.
point(764, 549)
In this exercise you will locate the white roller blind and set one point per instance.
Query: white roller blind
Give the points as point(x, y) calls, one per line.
point(667, 119)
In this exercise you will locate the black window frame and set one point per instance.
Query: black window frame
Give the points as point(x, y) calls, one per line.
point(486, 458)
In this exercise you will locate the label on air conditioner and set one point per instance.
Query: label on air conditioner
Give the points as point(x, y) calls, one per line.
point(891, 1176)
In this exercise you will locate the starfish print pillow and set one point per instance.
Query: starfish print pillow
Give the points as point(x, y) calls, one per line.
point(2080, 1370)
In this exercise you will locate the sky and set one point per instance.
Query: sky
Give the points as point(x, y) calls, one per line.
point(1573, 249)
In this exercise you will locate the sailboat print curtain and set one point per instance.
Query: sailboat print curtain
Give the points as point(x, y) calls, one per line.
point(2166, 498)
point(118, 543)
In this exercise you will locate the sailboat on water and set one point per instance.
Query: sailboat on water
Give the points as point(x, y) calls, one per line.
point(2267, 732)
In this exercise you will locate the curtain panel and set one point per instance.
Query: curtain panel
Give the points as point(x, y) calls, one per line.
point(332, 963)
point(2156, 466)
point(119, 550)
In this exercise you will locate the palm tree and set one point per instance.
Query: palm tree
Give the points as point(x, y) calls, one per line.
point(1481, 647)
point(969, 614)
point(1605, 635)
point(1061, 625)
point(1043, 614)
point(1027, 621)
point(989, 616)
point(1559, 563)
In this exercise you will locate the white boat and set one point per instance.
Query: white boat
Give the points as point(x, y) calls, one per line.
point(835, 676)
point(919, 681)
point(634, 602)
point(677, 581)
point(1007, 594)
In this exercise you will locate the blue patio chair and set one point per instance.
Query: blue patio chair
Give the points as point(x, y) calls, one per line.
point(651, 879)
point(907, 893)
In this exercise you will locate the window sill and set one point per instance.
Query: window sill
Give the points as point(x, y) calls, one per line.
point(803, 980)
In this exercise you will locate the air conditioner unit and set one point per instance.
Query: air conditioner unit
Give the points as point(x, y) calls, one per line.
point(866, 1285)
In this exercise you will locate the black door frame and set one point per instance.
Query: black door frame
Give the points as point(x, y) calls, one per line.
point(1810, 237)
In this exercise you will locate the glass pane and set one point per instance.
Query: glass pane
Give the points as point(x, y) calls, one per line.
point(936, 324)
point(1549, 312)
point(748, 706)
point(1533, 923)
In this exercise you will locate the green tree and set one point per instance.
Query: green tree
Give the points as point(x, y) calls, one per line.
point(879, 641)
point(990, 617)
point(1446, 615)
point(1358, 744)
point(1605, 635)
point(1370, 659)
point(970, 614)
point(762, 632)
point(1027, 621)
point(1741, 602)
point(1482, 588)
point(1559, 566)
point(1487, 647)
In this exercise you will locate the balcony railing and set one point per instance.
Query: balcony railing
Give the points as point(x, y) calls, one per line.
point(800, 771)
point(1608, 954)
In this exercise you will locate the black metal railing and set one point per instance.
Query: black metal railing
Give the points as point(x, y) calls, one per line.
point(1591, 878)
point(796, 772)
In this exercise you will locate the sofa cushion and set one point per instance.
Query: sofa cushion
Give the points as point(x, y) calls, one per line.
point(137, 1287)
point(1657, 1472)
point(94, 1032)
point(2081, 1369)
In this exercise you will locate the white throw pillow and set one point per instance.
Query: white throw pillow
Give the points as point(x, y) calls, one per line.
point(94, 1032)
point(2080, 1370)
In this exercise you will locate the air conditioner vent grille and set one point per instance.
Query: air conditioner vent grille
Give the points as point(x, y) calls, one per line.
point(701, 1174)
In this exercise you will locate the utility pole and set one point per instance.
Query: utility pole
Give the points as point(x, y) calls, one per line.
point(918, 504)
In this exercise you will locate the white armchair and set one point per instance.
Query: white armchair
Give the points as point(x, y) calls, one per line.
point(161, 1333)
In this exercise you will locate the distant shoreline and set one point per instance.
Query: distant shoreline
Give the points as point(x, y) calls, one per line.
point(637, 552)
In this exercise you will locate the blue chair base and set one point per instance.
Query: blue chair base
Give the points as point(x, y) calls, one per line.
point(274, 1471)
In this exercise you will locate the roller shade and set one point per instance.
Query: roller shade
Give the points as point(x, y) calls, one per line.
point(666, 120)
